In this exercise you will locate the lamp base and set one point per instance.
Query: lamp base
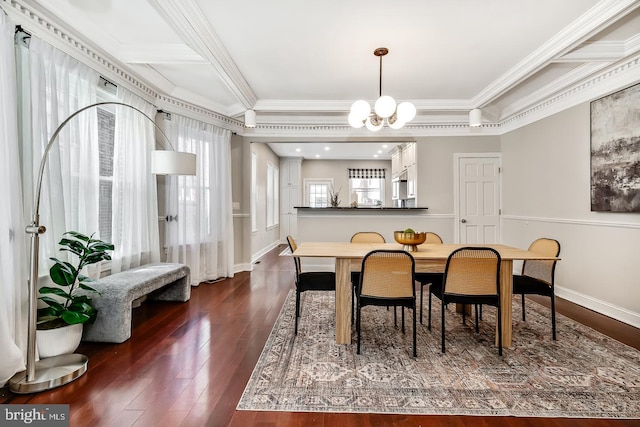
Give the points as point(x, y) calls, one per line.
point(50, 373)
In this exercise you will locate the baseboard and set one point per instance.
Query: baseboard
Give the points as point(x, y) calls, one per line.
point(264, 251)
point(238, 268)
point(602, 307)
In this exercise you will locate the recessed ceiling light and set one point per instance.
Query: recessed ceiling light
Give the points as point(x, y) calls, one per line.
point(375, 155)
point(379, 151)
point(317, 155)
point(385, 146)
point(327, 148)
point(298, 150)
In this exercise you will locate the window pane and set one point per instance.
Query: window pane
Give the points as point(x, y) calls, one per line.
point(318, 195)
point(106, 131)
point(369, 192)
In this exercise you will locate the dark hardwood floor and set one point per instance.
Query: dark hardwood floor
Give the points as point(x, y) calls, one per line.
point(187, 364)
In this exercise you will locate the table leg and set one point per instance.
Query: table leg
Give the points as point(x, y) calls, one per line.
point(506, 297)
point(343, 301)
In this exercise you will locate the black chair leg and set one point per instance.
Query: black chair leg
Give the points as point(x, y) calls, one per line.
point(464, 313)
point(429, 325)
point(442, 323)
point(421, 299)
point(395, 316)
point(553, 316)
point(297, 311)
point(358, 328)
point(402, 310)
point(523, 315)
point(415, 349)
point(477, 329)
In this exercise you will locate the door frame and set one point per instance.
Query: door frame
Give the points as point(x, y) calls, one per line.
point(456, 189)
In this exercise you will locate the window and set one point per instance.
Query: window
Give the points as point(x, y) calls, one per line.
point(254, 195)
point(317, 192)
point(367, 186)
point(106, 129)
point(273, 203)
point(106, 139)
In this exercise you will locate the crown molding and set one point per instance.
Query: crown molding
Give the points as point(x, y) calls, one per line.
point(40, 23)
point(189, 22)
point(187, 109)
point(580, 85)
point(596, 51)
point(607, 81)
point(596, 19)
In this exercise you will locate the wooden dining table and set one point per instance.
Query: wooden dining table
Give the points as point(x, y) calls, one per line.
point(428, 258)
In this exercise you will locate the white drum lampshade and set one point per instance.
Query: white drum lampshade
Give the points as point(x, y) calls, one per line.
point(169, 162)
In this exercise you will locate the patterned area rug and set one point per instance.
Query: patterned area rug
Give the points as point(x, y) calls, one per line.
point(582, 374)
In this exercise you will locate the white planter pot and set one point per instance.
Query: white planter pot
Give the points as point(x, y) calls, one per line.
point(54, 342)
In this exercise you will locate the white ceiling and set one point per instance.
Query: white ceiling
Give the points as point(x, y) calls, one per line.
point(302, 63)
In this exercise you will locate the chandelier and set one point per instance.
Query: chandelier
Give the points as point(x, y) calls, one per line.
point(384, 110)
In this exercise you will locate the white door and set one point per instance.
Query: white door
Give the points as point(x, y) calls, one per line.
point(478, 198)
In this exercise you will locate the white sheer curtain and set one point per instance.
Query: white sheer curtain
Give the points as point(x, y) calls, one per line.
point(135, 202)
point(202, 235)
point(59, 86)
point(13, 270)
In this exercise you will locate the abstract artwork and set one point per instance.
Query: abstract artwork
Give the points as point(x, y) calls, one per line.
point(615, 152)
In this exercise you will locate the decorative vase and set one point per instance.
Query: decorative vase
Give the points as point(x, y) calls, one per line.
point(57, 341)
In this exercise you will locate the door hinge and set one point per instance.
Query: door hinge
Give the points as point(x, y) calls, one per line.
point(499, 170)
point(499, 211)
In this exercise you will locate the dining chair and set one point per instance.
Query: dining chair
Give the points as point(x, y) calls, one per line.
point(471, 276)
point(309, 280)
point(538, 276)
point(362, 237)
point(387, 279)
point(430, 278)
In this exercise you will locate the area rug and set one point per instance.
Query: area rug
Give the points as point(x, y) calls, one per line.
point(582, 374)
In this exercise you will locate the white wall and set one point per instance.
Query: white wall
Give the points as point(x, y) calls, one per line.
point(263, 239)
point(546, 193)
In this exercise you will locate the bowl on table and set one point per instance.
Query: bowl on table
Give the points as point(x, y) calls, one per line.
point(409, 241)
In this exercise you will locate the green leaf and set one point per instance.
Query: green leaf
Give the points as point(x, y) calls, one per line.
point(74, 246)
point(88, 288)
point(99, 245)
point(54, 304)
point(56, 291)
point(62, 275)
point(77, 235)
point(73, 318)
point(84, 279)
point(96, 257)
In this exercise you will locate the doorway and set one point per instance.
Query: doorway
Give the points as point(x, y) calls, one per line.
point(477, 198)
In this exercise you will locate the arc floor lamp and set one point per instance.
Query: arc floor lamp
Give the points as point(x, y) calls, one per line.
point(59, 370)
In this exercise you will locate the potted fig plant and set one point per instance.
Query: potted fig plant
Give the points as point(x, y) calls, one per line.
point(68, 306)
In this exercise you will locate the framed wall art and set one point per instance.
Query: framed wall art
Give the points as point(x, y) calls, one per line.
point(615, 152)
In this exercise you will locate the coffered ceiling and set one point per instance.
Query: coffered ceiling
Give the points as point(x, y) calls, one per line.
point(300, 64)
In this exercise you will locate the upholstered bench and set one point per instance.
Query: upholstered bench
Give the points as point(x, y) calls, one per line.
point(160, 281)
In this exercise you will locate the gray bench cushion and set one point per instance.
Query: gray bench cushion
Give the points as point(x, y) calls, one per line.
point(119, 290)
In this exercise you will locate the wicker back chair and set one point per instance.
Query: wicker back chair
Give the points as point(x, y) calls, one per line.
point(538, 276)
point(309, 280)
point(431, 278)
point(387, 279)
point(362, 237)
point(472, 276)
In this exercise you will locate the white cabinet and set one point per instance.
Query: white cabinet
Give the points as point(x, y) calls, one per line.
point(396, 165)
point(290, 195)
point(404, 166)
point(411, 181)
point(408, 155)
